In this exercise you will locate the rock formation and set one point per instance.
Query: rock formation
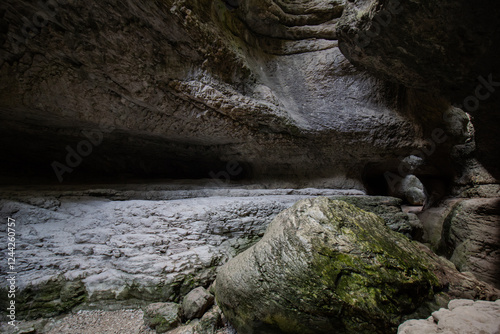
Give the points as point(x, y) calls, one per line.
point(462, 316)
point(449, 47)
point(471, 238)
point(326, 266)
point(377, 97)
point(181, 89)
point(161, 243)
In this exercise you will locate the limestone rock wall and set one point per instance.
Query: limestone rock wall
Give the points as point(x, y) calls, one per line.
point(178, 89)
point(446, 47)
point(106, 245)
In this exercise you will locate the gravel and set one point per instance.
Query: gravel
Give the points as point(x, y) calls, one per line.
point(85, 322)
point(105, 322)
point(89, 322)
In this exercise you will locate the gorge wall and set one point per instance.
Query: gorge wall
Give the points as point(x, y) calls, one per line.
point(260, 97)
point(178, 89)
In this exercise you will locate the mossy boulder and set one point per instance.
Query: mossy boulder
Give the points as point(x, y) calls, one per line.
point(162, 317)
point(326, 266)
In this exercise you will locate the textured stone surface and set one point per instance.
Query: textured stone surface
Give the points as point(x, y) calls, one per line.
point(466, 231)
point(198, 84)
point(196, 302)
point(210, 322)
point(148, 243)
point(463, 316)
point(447, 47)
point(325, 266)
point(388, 208)
point(471, 238)
point(409, 188)
point(433, 220)
point(421, 44)
point(162, 316)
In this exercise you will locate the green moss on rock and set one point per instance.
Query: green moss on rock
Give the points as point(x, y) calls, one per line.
point(49, 299)
point(162, 316)
point(325, 266)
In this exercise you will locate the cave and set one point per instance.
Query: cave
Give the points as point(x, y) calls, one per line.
point(148, 144)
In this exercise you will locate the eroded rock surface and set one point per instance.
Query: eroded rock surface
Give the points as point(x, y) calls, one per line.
point(111, 246)
point(420, 44)
point(162, 316)
point(196, 302)
point(180, 88)
point(471, 238)
point(463, 316)
point(449, 47)
point(326, 266)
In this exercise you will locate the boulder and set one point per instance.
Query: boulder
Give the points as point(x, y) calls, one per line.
point(409, 188)
point(210, 322)
point(196, 303)
point(162, 316)
point(414, 190)
point(326, 266)
point(463, 316)
point(323, 265)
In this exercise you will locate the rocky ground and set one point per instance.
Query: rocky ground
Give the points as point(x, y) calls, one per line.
point(90, 322)
point(462, 316)
point(85, 322)
point(142, 243)
point(82, 247)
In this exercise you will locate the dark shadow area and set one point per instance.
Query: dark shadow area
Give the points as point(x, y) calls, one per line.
point(376, 178)
point(32, 158)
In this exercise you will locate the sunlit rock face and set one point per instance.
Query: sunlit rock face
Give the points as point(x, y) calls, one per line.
point(179, 89)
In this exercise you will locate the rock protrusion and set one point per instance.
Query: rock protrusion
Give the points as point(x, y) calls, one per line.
point(325, 266)
point(463, 316)
point(162, 316)
point(196, 302)
point(410, 189)
point(471, 238)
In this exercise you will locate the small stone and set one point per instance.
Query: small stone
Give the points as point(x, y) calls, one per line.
point(210, 322)
point(196, 303)
point(162, 316)
point(413, 190)
point(116, 253)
